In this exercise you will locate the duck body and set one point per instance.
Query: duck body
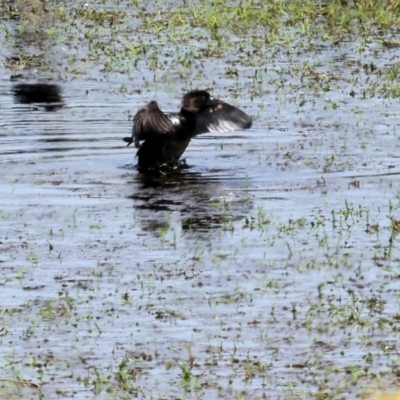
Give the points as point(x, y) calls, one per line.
point(165, 137)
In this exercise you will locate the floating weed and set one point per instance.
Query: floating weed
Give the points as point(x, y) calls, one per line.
point(355, 373)
point(126, 374)
point(97, 381)
point(188, 379)
point(48, 313)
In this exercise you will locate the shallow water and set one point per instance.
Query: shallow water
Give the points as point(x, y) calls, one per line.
point(268, 268)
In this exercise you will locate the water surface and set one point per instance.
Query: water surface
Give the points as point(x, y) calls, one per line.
point(268, 269)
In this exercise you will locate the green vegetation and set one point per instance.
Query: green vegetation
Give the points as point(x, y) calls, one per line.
point(175, 40)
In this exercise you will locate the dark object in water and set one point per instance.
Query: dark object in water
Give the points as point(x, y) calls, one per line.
point(166, 136)
point(40, 94)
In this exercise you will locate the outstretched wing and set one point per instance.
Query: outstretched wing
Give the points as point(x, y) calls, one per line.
point(149, 121)
point(222, 117)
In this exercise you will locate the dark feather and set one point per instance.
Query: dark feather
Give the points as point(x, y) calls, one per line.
point(221, 117)
point(149, 121)
point(160, 150)
point(162, 139)
point(151, 153)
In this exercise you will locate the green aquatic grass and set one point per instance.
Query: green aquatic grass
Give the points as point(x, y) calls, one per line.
point(119, 38)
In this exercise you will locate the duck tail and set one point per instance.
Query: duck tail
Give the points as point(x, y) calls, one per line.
point(128, 140)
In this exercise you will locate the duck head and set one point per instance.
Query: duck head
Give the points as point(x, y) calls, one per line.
point(197, 101)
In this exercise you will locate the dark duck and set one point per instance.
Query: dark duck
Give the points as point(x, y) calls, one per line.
point(165, 137)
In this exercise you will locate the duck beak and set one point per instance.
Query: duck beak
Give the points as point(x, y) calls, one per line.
point(212, 101)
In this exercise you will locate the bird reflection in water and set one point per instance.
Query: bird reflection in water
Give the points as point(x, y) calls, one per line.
point(203, 205)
